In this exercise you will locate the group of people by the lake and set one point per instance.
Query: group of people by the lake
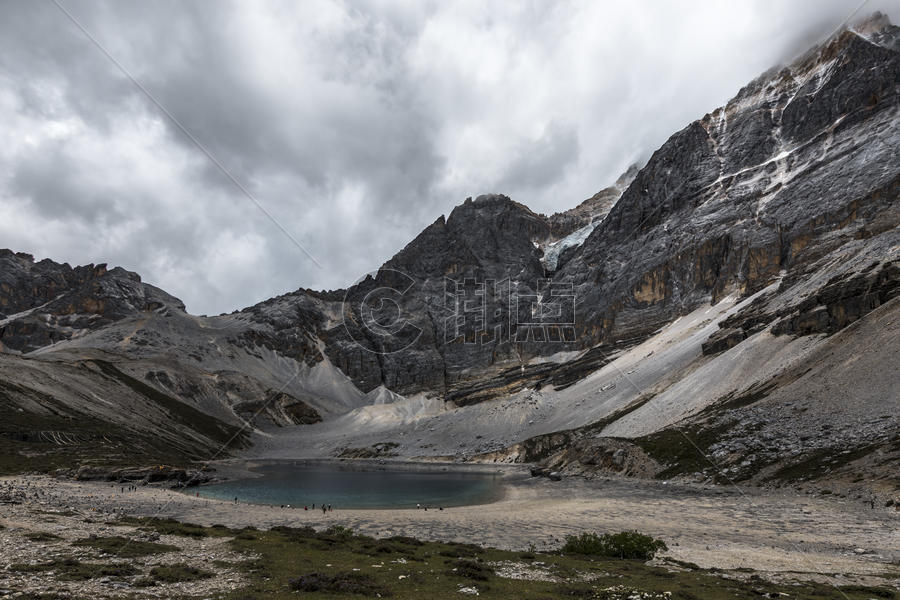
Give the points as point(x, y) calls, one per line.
point(325, 507)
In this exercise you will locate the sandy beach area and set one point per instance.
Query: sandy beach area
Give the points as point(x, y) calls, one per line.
point(781, 534)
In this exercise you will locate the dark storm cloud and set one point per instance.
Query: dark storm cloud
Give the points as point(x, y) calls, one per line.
point(354, 124)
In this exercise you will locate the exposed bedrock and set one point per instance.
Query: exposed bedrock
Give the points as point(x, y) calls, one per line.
point(777, 213)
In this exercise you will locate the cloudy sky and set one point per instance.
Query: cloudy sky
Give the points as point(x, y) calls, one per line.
point(354, 124)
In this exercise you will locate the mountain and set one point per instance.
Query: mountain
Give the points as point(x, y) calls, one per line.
point(728, 289)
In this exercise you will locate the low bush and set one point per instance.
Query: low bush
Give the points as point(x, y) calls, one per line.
point(70, 569)
point(461, 551)
point(124, 547)
point(402, 539)
point(295, 534)
point(342, 583)
point(166, 526)
point(471, 570)
point(570, 591)
point(178, 573)
point(338, 531)
point(625, 544)
point(874, 592)
point(41, 536)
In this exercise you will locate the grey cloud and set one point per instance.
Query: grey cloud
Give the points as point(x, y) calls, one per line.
point(542, 162)
point(50, 179)
point(356, 125)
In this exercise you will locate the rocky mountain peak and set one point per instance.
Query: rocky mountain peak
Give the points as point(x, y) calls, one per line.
point(878, 29)
point(45, 302)
point(592, 210)
point(795, 170)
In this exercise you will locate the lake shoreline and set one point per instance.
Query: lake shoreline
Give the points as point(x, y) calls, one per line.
point(778, 533)
point(348, 483)
point(233, 468)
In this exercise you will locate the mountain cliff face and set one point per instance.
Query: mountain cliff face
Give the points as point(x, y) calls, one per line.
point(46, 302)
point(776, 214)
point(802, 161)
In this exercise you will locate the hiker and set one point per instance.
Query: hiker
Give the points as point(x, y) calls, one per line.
point(324, 510)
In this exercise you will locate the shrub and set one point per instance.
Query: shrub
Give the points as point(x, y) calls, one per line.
point(471, 570)
point(402, 539)
point(625, 544)
point(177, 573)
point(166, 526)
point(42, 536)
point(338, 531)
point(569, 591)
point(70, 569)
point(342, 583)
point(873, 592)
point(457, 550)
point(124, 547)
point(294, 534)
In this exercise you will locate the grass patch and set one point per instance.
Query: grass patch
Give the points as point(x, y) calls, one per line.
point(292, 562)
point(178, 573)
point(539, 447)
point(625, 544)
point(872, 592)
point(173, 527)
point(471, 569)
point(352, 567)
point(289, 533)
point(124, 547)
point(69, 569)
point(56, 513)
point(339, 531)
point(683, 451)
point(820, 463)
point(42, 536)
point(167, 526)
point(341, 583)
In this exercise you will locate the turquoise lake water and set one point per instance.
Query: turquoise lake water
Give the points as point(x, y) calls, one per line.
point(300, 485)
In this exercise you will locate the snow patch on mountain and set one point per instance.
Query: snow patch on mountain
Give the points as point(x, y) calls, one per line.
point(553, 250)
